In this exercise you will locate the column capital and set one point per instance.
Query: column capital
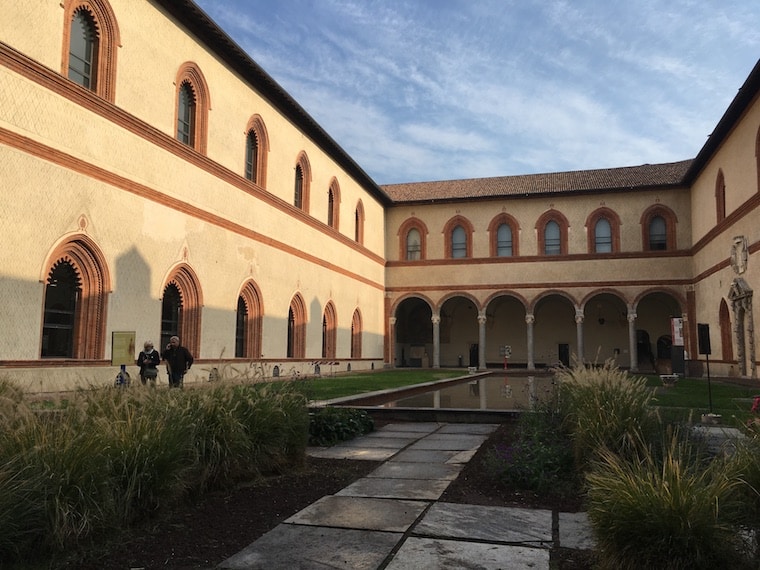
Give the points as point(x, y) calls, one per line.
point(530, 319)
point(482, 319)
point(579, 317)
point(632, 316)
point(435, 319)
point(392, 320)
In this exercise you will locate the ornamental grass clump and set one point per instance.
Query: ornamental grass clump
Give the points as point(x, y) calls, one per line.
point(605, 408)
point(666, 508)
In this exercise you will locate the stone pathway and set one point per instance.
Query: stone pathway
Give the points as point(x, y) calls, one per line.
point(392, 519)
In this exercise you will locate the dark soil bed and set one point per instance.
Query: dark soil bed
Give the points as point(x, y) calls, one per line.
point(200, 536)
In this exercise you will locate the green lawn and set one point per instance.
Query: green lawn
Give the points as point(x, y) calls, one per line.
point(328, 387)
point(691, 396)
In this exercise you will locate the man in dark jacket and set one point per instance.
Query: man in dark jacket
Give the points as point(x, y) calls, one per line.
point(178, 361)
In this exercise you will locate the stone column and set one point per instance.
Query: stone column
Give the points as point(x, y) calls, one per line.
point(632, 346)
point(751, 336)
point(482, 341)
point(392, 342)
point(529, 320)
point(579, 335)
point(436, 320)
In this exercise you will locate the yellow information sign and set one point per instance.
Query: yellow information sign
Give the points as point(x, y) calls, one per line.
point(123, 347)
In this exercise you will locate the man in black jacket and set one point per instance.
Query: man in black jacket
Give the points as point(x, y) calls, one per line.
point(178, 361)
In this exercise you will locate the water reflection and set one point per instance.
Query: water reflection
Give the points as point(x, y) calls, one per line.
point(498, 392)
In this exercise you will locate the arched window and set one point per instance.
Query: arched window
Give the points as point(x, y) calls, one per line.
point(296, 328)
point(249, 322)
point(302, 182)
point(90, 41)
point(359, 223)
point(193, 104)
point(658, 234)
point(356, 335)
point(413, 245)
point(720, 197)
point(256, 150)
point(458, 242)
point(333, 204)
point(552, 233)
point(74, 313)
point(658, 228)
point(412, 240)
point(329, 331)
point(503, 232)
point(602, 236)
point(181, 303)
point(186, 115)
point(552, 238)
point(726, 332)
point(503, 241)
point(458, 236)
point(83, 50)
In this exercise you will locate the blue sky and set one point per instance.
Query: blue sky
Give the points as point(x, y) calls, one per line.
point(418, 90)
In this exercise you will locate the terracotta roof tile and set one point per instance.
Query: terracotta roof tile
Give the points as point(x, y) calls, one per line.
point(644, 176)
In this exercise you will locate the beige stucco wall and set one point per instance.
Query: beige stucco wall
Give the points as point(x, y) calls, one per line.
point(148, 208)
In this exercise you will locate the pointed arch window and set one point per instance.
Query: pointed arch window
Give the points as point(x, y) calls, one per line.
point(658, 234)
point(248, 322)
point(256, 150)
point(458, 242)
point(301, 183)
point(359, 223)
point(74, 308)
point(186, 115)
point(504, 241)
point(413, 245)
point(192, 107)
point(329, 331)
point(90, 41)
point(333, 204)
point(412, 237)
point(720, 197)
point(181, 303)
point(63, 293)
point(356, 335)
point(296, 347)
point(602, 236)
point(83, 50)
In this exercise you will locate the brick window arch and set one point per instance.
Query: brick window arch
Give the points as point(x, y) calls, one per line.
point(356, 335)
point(504, 233)
point(603, 231)
point(552, 230)
point(76, 288)
point(193, 103)
point(297, 328)
point(720, 197)
point(359, 223)
point(409, 249)
point(99, 73)
point(458, 238)
point(658, 228)
point(248, 329)
point(333, 204)
point(302, 182)
point(181, 304)
point(256, 151)
point(329, 331)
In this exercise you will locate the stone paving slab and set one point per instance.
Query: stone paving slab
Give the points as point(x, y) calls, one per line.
point(462, 456)
point(482, 429)
point(418, 427)
point(412, 470)
point(394, 442)
point(361, 513)
point(450, 442)
point(419, 489)
point(494, 524)
point(408, 435)
point(297, 547)
point(435, 554)
point(428, 456)
point(339, 452)
point(575, 531)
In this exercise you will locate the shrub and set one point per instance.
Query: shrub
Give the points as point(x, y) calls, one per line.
point(330, 425)
point(540, 459)
point(606, 408)
point(668, 509)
